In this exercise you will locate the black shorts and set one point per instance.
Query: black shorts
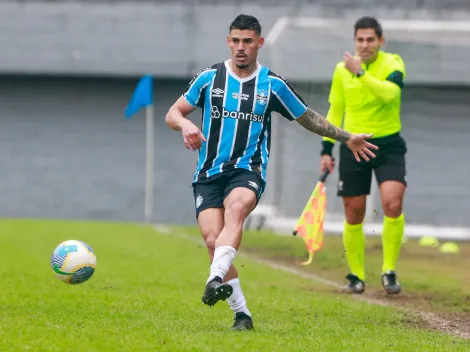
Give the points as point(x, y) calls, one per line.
point(389, 165)
point(212, 192)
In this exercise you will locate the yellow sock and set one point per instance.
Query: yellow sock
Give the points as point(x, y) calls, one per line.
point(392, 235)
point(354, 243)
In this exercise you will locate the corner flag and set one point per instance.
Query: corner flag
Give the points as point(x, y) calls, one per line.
point(143, 96)
point(310, 223)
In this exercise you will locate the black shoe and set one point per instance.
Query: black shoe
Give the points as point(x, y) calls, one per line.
point(390, 283)
point(215, 291)
point(355, 285)
point(243, 322)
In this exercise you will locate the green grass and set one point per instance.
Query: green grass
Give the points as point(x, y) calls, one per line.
point(431, 280)
point(145, 296)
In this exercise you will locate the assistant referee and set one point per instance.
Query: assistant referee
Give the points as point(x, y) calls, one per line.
point(366, 96)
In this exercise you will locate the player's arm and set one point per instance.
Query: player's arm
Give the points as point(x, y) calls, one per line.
point(176, 116)
point(290, 105)
point(316, 123)
point(177, 121)
point(357, 143)
point(186, 104)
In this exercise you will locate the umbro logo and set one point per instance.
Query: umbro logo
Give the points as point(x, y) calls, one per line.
point(218, 93)
point(254, 185)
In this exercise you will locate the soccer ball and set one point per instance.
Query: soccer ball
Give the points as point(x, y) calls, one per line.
point(73, 261)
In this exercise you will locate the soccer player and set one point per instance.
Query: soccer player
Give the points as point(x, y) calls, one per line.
point(237, 97)
point(366, 94)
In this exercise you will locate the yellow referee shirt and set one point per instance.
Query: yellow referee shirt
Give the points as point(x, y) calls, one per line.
point(369, 103)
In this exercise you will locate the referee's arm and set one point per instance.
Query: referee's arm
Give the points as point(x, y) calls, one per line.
point(386, 91)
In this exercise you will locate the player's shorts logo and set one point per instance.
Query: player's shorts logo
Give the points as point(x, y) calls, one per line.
point(340, 185)
point(215, 113)
point(199, 201)
point(262, 97)
point(254, 185)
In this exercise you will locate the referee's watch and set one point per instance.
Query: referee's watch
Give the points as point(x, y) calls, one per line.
point(360, 73)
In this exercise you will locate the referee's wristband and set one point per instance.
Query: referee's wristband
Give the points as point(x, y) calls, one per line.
point(327, 148)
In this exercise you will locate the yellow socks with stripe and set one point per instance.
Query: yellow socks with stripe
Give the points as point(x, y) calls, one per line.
point(354, 244)
point(392, 236)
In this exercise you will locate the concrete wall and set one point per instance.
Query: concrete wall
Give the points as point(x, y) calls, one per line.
point(435, 127)
point(177, 39)
point(68, 152)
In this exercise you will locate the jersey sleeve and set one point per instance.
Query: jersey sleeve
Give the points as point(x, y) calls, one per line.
point(336, 95)
point(336, 100)
point(194, 93)
point(396, 71)
point(285, 100)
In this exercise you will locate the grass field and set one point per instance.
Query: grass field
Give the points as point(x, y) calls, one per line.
point(146, 295)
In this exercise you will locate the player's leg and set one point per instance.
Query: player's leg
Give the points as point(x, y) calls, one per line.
point(242, 192)
point(209, 199)
point(353, 187)
point(240, 186)
point(238, 204)
point(390, 175)
point(211, 223)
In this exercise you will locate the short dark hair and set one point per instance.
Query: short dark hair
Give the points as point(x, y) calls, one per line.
point(368, 22)
point(246, 22)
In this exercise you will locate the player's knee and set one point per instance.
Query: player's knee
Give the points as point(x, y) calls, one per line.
point(210, 236)
point(210, 243)
point(235, 211)
point(392, 208)
point(355, 215)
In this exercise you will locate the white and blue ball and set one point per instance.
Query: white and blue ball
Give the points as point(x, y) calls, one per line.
point(74, 262)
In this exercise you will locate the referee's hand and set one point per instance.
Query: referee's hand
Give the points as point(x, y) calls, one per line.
point(192, 135)
point(327, 163)
point(360, 147)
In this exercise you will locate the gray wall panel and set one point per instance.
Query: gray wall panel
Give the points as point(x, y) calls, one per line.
point(178, 39)
point(68, 152)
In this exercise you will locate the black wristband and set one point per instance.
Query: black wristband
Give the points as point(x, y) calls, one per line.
point(327, 148)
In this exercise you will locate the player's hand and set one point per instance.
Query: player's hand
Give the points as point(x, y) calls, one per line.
point(360, 147)
point(192, 135)
point(327, 163)
point(352, 64)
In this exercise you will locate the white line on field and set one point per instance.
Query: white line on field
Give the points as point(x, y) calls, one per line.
point(432, 319)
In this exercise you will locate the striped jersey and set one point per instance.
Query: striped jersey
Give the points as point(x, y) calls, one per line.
point(236, 117)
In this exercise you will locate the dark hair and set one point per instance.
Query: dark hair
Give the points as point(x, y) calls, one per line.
point(246, 22)
point(368, 22)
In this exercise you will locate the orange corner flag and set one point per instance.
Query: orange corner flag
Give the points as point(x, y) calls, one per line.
point(310, 223)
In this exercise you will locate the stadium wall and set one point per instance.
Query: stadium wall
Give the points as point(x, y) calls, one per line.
point(177, 39)
point(68, 152)
point(71, 66)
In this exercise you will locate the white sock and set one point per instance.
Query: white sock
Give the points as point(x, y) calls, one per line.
point(223, 257)
point(237, 300)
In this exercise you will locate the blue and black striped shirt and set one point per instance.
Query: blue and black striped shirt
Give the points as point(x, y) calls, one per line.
point(236, 117)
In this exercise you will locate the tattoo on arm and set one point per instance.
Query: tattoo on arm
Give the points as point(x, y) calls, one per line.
point(316, 123)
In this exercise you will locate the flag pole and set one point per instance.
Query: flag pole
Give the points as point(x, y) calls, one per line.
point(143, 96)
point(149, 164)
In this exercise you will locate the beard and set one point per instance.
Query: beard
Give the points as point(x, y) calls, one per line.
point(242, 67)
